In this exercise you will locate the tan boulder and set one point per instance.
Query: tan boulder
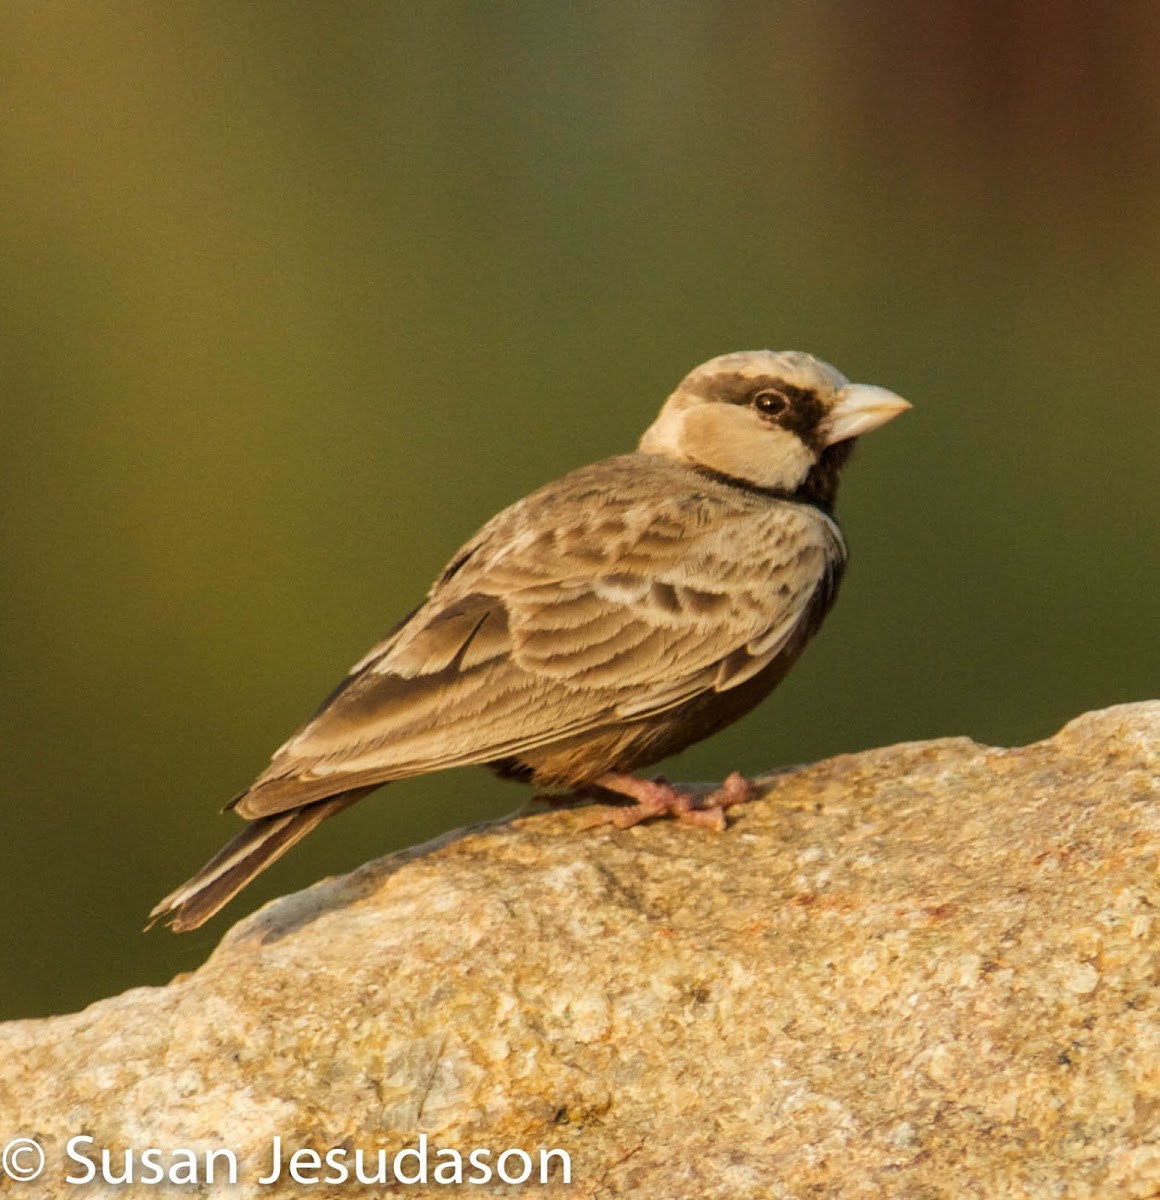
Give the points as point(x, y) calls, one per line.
point(923, 971)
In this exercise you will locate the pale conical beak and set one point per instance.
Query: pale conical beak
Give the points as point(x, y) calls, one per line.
point(861, 407)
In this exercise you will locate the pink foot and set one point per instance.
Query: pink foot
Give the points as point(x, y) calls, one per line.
point(657, 797)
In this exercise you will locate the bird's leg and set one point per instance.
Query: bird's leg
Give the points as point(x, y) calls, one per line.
point(655, 797)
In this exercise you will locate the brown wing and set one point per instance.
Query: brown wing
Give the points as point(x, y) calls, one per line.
point(619, 591)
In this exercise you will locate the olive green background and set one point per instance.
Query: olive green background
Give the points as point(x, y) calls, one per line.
point(294, 296)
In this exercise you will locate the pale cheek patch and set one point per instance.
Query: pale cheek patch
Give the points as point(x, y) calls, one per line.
point(735, 442)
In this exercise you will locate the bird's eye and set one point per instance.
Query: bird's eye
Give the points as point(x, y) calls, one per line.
point(770, 403)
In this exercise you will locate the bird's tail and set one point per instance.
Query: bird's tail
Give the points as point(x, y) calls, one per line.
point(247, 855)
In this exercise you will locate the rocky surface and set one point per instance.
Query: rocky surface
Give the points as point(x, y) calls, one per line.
point(924, 971)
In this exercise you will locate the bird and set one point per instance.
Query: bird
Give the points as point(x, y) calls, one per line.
point(601, 624)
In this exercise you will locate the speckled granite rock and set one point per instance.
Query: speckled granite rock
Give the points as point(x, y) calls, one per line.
point(925, 971)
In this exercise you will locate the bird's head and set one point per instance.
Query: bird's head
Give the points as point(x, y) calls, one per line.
point(781, 421)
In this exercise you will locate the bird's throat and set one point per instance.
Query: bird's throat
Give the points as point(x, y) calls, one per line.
point(820, 486)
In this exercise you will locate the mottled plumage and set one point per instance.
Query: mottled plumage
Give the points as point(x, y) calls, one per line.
point(609, 619)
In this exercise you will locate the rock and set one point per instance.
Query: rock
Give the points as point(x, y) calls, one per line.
point(924, 971)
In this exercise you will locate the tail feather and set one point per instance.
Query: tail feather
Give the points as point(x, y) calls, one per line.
point(240, 860)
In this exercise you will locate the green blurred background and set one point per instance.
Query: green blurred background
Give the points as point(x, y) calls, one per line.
point(295, 295)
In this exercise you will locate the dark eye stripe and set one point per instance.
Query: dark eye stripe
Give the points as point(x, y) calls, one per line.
point(802, 413)
point(798, 397)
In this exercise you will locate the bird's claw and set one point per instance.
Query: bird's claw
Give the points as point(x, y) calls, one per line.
point(657, 797)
